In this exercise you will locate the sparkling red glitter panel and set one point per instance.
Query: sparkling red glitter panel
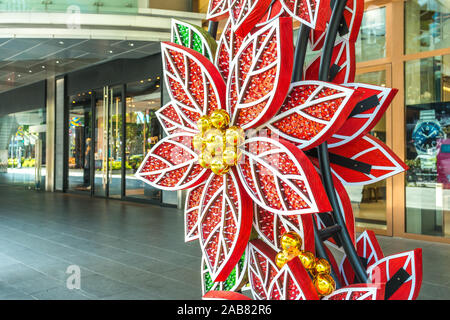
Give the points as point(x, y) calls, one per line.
point(260, 75)
point(361, 123)
point(217, 10)
point(192, 81)
point(384, 162)
point(224, 223)
point(368, 248)
point(227, 48)
point(353, 14)
point(268, 282)
point(313, 13)
point(312, 112)
point(363, 291)
point(171, 164)
point(411, 262)
point(172, 118)
point(245, 14)
point(191, 212)
point(280, 178)
point(343, 64)
point(271, 226)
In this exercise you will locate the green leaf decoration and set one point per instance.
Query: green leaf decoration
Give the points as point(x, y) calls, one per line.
point(193, 37)
point(236, 279)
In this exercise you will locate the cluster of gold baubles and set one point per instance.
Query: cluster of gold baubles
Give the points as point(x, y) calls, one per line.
point(217, 143)
point(318, 268)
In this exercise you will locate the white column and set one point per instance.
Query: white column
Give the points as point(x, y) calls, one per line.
point(50, 136)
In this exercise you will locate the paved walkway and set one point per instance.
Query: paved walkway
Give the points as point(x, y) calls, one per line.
point(124, 250)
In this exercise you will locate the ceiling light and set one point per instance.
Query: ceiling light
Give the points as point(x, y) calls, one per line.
point(57, 61)
point(43, 67)
point(131, 44)
point(30, 71)
point(61, 42)
point(110, 51)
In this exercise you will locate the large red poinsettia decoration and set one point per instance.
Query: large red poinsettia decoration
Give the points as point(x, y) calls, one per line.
point(241, 138)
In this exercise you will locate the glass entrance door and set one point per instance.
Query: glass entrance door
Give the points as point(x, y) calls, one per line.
point(372, 203)
point(108, 142)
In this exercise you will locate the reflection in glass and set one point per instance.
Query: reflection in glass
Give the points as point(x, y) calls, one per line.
point(22, 148)
point(371, 43)
point(369, 202)
point(143, 131)
point(80, 143)
point(427, 96)
point(427, 25)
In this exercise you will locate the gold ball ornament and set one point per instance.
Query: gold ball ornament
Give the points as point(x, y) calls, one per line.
point(218, 167)
point(234, 135)
point(219, 119)
point(322, 266)
point(308, 260)
point(198, 143)
point(230, 157)
point(214, 141)
point(204, 124)
point(324, 284)
point(205, 159)
point(291, 241)
point(281, 259)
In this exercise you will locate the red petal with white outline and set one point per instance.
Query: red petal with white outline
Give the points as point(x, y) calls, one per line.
point(224, 295)
point(369, 150)
point(227, 48)
point(225, 223)
point(245, 14)
point(312, 112)
point(353, 14)
point(359, 124)
point(172, 119)
point(362, 291)
point(411, 262)
point(192, 81)
point(172, 165)
point(268, 282)
point(367, 248)
point(313, 13)
point(346, 207)
point(271, 226)
point(280, 178)
point(192, 211)
point(342, 63)
point(260, 75)
point(217, 10)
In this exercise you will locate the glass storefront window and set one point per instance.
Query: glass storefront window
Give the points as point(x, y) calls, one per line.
point(143, 131)
point(371, 43)
point(22, 149)
point(369, 202)
point(427, 25)
point(427, 99)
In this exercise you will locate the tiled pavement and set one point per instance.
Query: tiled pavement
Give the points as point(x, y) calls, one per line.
point(125, 250)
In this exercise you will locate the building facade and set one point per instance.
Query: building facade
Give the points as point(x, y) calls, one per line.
point(84, 118)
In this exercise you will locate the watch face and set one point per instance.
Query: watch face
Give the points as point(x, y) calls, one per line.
point(425, 136)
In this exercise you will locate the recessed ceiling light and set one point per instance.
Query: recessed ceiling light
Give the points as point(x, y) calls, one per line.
point(9, 79)
point(43, 67)
point(57, 61)
point(110, 51)
point(19, 75)
point(30, 71)
point(61, 42)
point(131, 44)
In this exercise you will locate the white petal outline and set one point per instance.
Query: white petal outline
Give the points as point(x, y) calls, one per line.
point(312, 17)
point(141, 175)
point(187, 55)
point(382, 96)
point(272, 29)
point(392, 170)
point(237, 213)
point(302, 177)
point(220, 10)
point(344, 93)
